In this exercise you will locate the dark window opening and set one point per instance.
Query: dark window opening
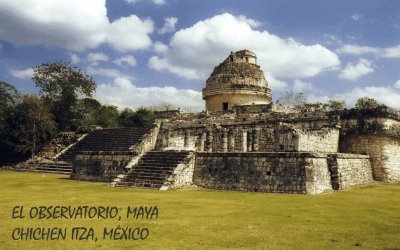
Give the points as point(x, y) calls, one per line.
point(247, 59)
point(224, 106)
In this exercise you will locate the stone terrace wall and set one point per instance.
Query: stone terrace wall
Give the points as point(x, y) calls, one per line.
point(100, 166)
point(261, 172)
point(291, 139)
point(297, 173)
point(383, 150)
point(349, 170)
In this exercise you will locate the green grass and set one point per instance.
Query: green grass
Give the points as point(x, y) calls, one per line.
point(360, 218)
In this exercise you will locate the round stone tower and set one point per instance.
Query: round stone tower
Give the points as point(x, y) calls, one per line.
point(236, 81)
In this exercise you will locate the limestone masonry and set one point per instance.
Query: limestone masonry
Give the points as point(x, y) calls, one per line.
point(243, 142)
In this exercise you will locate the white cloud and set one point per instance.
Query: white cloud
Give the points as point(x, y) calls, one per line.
point(301, 86)
point(389, 52)
point(357, 16)
point(110, 73)
point(392, 52)
point(157, 2)
point(386, 95)
point(276, 84)
point(75, 59)
point(71, 24)
point(357, 50)
point(169, 25)
point(130, 33)
point(160, 48)
point(123, 93)
point(95, 58)
point(125, 61)
point(22, 74)
point(194, 51)
point(354, 71)
point(397, 84)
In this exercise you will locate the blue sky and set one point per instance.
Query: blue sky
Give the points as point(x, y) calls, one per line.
point(144, 52)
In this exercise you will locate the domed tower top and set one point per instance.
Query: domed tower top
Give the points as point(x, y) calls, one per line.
point(236, 81)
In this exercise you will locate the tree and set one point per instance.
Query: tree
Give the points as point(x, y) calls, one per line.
point(143, 117)
point(367, 103)
point(164, 106)
point(32, 125)
point(87, 112)
point(125, 119)
point(61, 85)
point(8, 98)
point(107, 116)
point(292, 100)
point(336, 104)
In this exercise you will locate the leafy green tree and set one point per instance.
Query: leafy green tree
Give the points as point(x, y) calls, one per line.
point(107, 116)
point(336, 104)
point(61, 85)
point(125, 119)
point(9, 97)
point(88, 111)
point(143, 117)
point(367, 103)
point(32, 125)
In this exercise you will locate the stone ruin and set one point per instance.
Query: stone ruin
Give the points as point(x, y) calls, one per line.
point(244, 142)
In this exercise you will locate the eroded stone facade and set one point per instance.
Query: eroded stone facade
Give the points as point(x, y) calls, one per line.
point(249, 144)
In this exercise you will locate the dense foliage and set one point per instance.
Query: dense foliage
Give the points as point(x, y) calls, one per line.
point(64, 103)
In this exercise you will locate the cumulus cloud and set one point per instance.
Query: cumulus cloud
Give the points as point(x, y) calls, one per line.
point(301, 86)
point(22, 74)
point(95, 58)
point(386, 95)
point(194, 51)
point(392, 52)
point(107, 72)
point(75, 59)
point(354, 71)
point(130, 33)
point(125, 61)
point(276, 85)
point(357, 16)
point(357, 50)
point(160, 47)
point(389, 52)
point(71, 24)
point(397, 84)
point(123, 93)
point(169, 25)
point(157, 2)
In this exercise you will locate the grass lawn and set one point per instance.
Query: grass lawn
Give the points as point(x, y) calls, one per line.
point(361, 218)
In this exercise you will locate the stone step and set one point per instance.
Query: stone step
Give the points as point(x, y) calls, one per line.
point(139, 185)
point(49, 172)
point(54, 169)
point(145, 176)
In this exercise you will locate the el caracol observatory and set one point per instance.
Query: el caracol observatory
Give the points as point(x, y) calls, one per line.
point(236, 81)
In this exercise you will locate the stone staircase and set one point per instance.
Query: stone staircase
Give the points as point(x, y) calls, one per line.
point(116, 139)
point(153, 169)
point(46, 167)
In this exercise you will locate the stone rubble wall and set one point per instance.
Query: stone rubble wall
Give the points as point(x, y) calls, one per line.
point(182, 176)
point(383, 150)
point(148, 142)
point(100, 166)
point(297, 173)
point(259, 137)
